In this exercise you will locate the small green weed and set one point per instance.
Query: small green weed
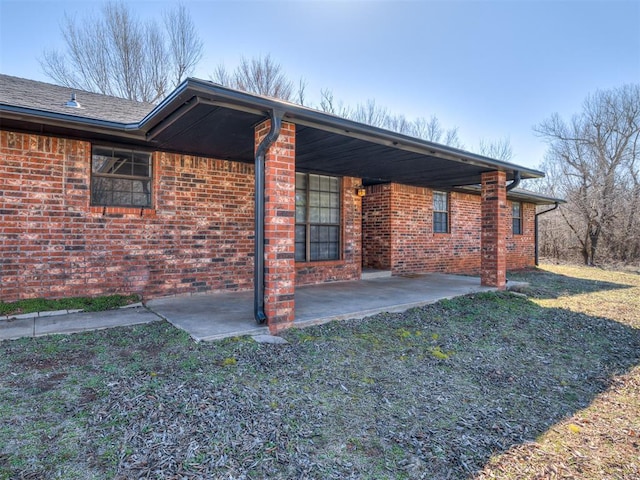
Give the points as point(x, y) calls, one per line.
point(228, 362)
point(439, 354)
point(403, 333)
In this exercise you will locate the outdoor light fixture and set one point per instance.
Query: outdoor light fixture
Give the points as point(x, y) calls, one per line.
point(361, 191)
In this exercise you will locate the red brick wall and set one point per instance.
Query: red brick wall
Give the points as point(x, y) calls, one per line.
point(418, 249)
point(376, 227)
point(349, 266)
point(53, 244)
point(199, 236)
point(521, 248)
point(398, 233)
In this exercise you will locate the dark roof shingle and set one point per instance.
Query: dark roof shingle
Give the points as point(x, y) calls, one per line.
point(21, 92)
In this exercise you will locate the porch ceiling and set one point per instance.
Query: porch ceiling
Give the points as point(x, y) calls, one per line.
point(205, 119)
point(210, 131)
point(330, 153)
point(213, 131)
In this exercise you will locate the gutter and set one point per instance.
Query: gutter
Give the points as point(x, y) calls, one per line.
point(258, 259)
point(516, 180)
point(72, 121)
point(557, 204)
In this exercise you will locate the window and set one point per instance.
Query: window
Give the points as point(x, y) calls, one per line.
point(120, 177)
point(317, 217)
point(516, 214)
point(440, 212)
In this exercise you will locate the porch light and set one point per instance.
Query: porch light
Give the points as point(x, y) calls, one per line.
point(361, 191)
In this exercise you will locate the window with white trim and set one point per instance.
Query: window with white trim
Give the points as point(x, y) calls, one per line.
point(120, 177)
point(317, 217)
point(440, 212)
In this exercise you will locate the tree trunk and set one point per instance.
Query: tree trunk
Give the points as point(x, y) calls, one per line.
point(594, 235)
point(585, 249)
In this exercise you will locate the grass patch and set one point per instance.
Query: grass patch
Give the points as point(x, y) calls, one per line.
point(589, 290)
point(89, 304)
point(482, 386)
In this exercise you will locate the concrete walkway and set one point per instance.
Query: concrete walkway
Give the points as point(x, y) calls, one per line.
point(47, 324)
point(215, 316)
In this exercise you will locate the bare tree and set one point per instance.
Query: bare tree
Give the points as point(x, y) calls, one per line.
point(221, 75)
point(371, 114)
point(261, 75)
point(301, 94)
point(432, 131)
point(451, 138)
point(328, 104)
point(374, 114)
point(156, 68)
point(499, 149)
point(400, 124)
point(595, 167)
point(184, 44)
point(264, 76)
point(117, 54)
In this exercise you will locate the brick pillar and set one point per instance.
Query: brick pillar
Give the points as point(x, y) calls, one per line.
point(493, 263)
point(279, 225)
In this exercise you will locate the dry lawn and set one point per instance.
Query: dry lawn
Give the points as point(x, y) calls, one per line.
point(483, 386)
point(601, 441)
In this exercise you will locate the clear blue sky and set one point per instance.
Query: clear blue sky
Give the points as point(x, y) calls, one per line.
point(491, 68)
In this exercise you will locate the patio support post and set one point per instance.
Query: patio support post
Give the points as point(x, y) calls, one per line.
point(493, 263)
point(279, 225)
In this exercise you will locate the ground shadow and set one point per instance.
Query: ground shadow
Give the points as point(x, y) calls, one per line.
point(505, 371)
point(549, 285)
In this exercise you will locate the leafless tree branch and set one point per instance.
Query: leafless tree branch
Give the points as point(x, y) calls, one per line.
point(117, 54)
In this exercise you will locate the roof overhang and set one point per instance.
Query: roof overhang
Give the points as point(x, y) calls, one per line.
point(521, 195)
point(71, 126)
point(517, 195)
point(206, 119)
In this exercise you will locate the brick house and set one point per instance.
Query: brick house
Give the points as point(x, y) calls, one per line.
point(101, 195)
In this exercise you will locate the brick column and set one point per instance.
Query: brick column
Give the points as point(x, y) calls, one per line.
point(493, 262)
point(279, 225)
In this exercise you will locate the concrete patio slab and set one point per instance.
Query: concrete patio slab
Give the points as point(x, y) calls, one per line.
point(347, 300)
point(215, 316)
point(212, 316)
